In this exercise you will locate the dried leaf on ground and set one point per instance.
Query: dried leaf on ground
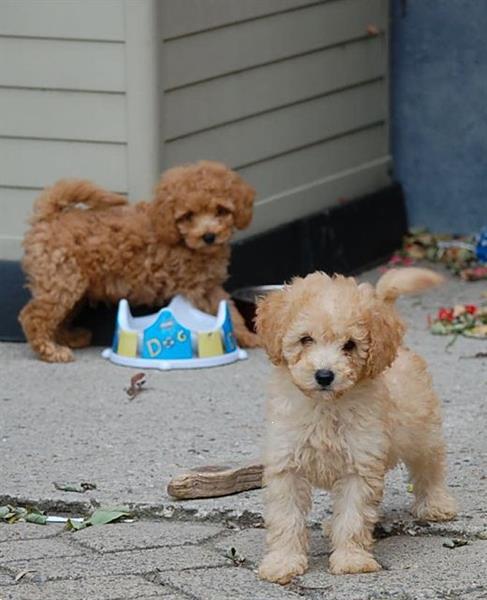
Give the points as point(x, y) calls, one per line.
point(455, 543)
point(80, 488)
point(136, 386)
point(13, 514)
point(22, 574)
point(456, 253)
point(476, 355)
point(36, 517)
point(101, 516)
point(234, 556)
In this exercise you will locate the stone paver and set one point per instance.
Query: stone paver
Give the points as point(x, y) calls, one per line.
point(134, 562)
point(144, 534)
point(234, 583)
point(34, 549)
point(99, 588)
point(25, 531)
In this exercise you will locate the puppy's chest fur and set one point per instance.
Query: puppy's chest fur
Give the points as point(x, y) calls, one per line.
point(327, 441)
point(321, 451)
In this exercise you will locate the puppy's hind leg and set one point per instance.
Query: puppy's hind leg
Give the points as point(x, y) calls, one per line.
point(427, 465)
point(43, 315)
point(287, 502)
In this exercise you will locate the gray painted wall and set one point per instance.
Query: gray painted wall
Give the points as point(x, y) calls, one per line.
point(439, 126)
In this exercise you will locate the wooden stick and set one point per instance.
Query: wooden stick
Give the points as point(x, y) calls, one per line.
point(211, 481)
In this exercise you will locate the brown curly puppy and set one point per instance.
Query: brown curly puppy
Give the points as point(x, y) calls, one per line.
point(89, 244)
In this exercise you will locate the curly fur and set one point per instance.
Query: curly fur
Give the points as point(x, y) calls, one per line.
point(89, 244)
point(379, 409)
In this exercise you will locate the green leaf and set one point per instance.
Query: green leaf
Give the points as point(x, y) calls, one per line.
point(6, 511)
point(102, 516)
point(439, 328)
point(36, 517)
point(17, 513)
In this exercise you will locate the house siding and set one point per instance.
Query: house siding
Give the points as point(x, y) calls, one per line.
point(292, 93)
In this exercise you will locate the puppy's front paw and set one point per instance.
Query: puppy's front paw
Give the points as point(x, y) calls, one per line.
point(441, 507)
point(353, 560)
point(280, 568)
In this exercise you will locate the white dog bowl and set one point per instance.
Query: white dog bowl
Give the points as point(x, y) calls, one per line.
point(179, 336)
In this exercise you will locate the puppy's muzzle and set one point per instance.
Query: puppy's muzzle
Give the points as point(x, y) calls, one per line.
point(209, 238)
point(324, 377)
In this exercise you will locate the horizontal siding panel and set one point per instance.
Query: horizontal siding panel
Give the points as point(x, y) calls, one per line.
point(214, 53)
point(297, 168)
point(255, 139)
point(318, 195)
point(190, 16)
point(15, 209)
point(229, 98)
point(62, 64)
point(62, 115)
point(85, 19)
point(37, 163)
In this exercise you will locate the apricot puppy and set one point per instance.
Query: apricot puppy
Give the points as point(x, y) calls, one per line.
point(347, 403)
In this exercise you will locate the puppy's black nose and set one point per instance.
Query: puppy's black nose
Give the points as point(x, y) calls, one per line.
point(209, 238)
point(324, 377)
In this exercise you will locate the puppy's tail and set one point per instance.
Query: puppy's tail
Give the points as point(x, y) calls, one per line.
point(67, 193)
point(410, 280)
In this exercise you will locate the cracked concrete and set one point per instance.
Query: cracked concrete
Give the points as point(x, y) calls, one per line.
point(75, 423)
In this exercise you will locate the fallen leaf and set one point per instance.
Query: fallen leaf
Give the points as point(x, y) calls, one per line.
point(36, 517)
point(75, 487)
point(235, 557)
point(6, 511)
point(22, 574)
point(101, 516)
point(17, 513)
point(476, 355)
point(137, 383)
point(455, 543)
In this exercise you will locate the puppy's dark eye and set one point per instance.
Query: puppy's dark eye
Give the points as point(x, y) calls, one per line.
point(349, 346)
point(187, 216)
point(306, 340)
point(222, 211)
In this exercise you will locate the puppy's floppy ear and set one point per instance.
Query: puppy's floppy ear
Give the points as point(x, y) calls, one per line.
point(386, 331)
point(162, 208)
point(243, 197)
point(270, 322)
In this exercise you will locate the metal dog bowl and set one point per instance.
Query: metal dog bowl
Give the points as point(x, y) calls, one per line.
point(246, 300)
